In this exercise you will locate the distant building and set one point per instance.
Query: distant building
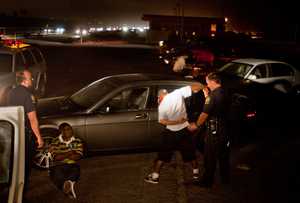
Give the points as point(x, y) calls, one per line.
point(161, 26)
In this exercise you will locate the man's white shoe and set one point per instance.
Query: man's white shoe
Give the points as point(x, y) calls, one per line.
point(69, 189)
point(150, 179)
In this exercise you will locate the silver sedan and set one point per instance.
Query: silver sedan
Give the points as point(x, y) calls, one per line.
point(114, 113)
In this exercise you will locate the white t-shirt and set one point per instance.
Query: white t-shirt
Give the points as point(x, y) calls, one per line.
point(172, 107)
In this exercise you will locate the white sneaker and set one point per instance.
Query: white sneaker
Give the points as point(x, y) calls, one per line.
point(150, 179)
point(69, 189)
point(73, 190)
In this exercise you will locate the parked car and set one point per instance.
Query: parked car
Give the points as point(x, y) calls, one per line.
point(281, 75)
point(114, 113)
point(14, 56)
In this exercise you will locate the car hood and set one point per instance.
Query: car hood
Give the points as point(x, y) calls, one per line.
point(55, 106)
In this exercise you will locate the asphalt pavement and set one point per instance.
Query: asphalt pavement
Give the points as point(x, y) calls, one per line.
point(119, 179)
point(274, 174)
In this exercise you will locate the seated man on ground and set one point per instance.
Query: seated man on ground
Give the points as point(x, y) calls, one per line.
point(66, 151)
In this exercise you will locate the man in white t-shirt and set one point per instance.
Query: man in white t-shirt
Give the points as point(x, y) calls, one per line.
point(176, 136)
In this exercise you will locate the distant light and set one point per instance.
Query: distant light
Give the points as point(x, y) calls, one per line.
point(77, 31)
point(92, 29)
point(125, 28)
point(84, 32)
point(99, 29)
point(166, 61)
point(161, 43)
point(60, 30)
point(194, 33)
point(108, 29)
point(213, 35)
point(226, 19)
point(141, 29)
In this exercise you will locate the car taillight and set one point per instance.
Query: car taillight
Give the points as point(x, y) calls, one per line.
point(250, 114)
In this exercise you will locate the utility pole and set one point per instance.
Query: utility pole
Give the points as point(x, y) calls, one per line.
point(180, 18)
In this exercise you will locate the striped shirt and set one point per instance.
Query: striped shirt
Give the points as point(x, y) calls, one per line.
point(59, 146)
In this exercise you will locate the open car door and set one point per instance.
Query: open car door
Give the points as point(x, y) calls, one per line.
point(12, 150)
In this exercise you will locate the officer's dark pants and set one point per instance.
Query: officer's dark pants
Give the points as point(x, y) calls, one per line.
point(216, 150)
point(61, 173)
point(29, 153)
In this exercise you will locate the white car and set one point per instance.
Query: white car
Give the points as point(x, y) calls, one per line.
point(281, 75)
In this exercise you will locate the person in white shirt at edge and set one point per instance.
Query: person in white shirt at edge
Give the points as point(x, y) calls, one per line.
point(179, 64)
point(176, 136)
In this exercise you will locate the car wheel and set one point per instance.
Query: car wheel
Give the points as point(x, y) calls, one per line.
point(43, 158)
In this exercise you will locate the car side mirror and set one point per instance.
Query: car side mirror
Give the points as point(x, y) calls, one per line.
point(252, 77)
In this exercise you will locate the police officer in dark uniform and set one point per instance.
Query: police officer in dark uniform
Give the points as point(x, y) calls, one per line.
point(22, 96)
point(216, 140)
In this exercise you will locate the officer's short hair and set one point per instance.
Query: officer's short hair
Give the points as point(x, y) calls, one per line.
point(214, 76)
point(20, 76)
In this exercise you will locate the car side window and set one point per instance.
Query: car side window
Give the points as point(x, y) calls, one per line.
point(278, 70)
point(37, 54)
point(129, 100)
point(260, 71)
point(5, 63)
point(29, 61)
point(19, 62)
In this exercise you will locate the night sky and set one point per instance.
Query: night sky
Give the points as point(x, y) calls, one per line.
point(242, 13)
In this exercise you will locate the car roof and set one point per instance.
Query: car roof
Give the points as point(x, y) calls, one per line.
point(254, 61)
point(121, 79)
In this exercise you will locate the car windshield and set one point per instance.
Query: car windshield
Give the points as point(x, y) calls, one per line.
point(238, 69)
point(5, 63)
point(91, 94)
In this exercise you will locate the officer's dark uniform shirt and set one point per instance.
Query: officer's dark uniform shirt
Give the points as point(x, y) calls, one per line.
point(215, 104)
point(194, 105)
point(215, 107)
point(21, 96)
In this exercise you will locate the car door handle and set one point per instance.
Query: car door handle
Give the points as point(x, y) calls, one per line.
point(141, 116)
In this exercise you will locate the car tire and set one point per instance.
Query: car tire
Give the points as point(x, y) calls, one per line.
point(43, 158)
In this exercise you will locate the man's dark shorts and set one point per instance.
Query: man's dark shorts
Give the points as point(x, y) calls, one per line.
point(177, 140)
